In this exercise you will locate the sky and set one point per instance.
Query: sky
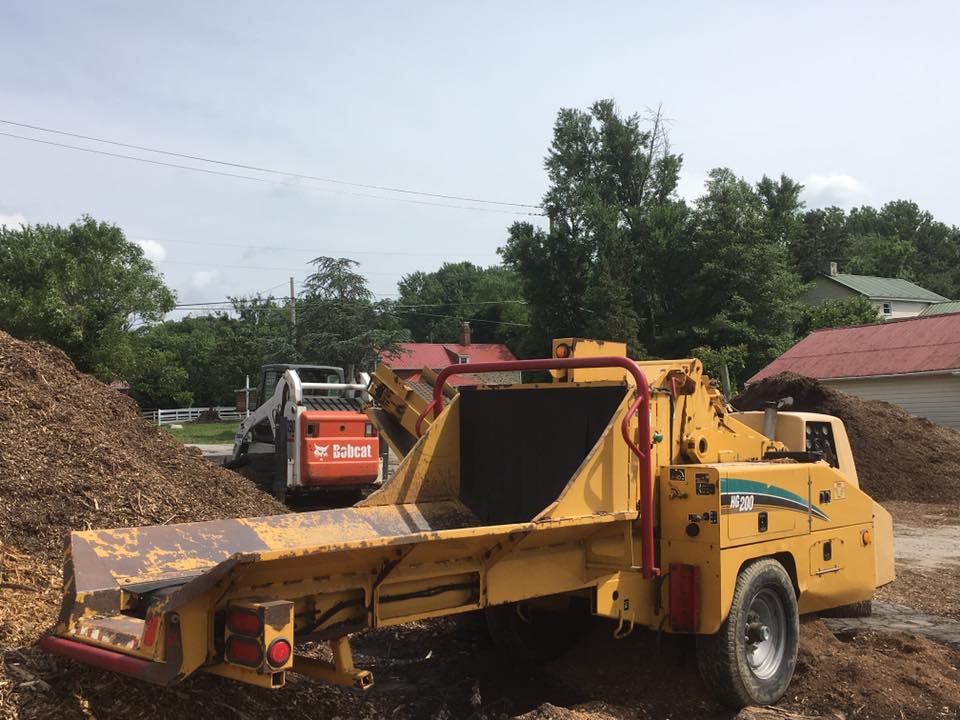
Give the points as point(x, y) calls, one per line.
point(857, 100)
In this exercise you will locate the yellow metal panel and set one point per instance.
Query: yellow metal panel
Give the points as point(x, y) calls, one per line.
point(883, 545)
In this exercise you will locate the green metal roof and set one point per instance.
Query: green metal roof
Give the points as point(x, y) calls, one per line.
point(879, 288)
point(942, 308)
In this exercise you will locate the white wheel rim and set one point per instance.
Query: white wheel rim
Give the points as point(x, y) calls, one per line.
point(765, 634)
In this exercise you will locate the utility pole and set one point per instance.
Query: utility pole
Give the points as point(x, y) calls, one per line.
point(293, 305)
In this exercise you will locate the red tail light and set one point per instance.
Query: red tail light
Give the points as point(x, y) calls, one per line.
point(278, 653)
point(244, 622)
point(243, 651)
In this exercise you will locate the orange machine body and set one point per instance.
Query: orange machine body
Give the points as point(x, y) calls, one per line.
point(338, 448)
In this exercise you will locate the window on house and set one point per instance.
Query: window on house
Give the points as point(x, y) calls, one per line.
point(464, 359)
point(887, 309)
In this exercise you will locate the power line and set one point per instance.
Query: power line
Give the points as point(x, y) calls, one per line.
point(260, 179)
point(217, 303)
point(457, 317)
point(243, 166)
point(301, 249)
point(393, 311)
point(256, 267)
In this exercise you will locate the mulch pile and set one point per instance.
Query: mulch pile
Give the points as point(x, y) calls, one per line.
point(75, 454)
point(899, 456)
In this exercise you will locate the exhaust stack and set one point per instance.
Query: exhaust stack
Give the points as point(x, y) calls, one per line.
point(770, 416)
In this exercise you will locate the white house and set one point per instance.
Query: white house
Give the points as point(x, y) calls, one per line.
point(893, 297)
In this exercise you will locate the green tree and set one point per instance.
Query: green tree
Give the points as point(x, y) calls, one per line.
point(206, 348)
point(832, 313)
point(338, 321)
point(740, 288)
point(823, 240)
point(600, 269)
point(158, 381)
point(713, 359)
point(264, 333)
point(433, 305)
point(80, 288)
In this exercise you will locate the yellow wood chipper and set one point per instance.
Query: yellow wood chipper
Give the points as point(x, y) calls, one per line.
point(627, 487)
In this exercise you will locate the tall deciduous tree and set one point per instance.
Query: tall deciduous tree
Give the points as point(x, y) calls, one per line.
point(599, 269)
point(741, 288)
point(80, 288)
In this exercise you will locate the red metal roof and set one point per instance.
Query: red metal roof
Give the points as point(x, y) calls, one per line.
point(456, 380)
point(436, 356)
point(894, 347)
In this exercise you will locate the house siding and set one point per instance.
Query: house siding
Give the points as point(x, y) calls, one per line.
point(826, 289)
point(901, 308)
point(935, 397)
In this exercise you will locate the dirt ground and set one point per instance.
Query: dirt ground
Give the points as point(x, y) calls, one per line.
point(927, 550)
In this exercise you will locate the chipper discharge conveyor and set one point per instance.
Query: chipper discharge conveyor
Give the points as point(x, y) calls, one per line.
point(628, 485)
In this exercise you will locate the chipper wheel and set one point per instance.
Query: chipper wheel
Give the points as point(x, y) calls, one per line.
point(750, 661)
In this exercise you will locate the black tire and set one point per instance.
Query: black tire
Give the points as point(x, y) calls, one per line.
point(531, 633)
point(261, 469)
point(861, 609)
point(764, 599)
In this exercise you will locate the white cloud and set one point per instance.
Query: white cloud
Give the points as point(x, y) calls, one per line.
point(690, 186)
point(837, 189)
point(12, 221)
point(203, 278)
point(152, 249)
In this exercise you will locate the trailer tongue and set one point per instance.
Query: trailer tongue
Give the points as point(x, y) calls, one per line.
point(514, 495)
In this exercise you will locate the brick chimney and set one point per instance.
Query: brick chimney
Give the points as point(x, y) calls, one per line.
point(465, 334)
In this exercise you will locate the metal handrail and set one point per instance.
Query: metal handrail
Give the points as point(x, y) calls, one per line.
point(642, 400)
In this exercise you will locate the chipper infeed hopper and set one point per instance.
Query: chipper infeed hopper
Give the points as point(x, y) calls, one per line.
point(514, 497)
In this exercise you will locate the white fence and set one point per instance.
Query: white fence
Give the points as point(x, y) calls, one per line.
point(182, 415)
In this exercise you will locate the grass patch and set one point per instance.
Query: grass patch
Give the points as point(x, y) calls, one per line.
point(205, 433)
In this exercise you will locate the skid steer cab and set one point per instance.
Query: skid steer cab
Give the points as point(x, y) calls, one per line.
point(629, 490)
point(309, 433)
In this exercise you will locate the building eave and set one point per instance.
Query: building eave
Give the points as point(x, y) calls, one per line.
point(920, 373)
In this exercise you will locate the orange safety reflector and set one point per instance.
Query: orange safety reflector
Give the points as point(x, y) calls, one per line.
point(278, 653)
point(865, 537)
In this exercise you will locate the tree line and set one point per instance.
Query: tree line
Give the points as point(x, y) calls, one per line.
point(623, 257)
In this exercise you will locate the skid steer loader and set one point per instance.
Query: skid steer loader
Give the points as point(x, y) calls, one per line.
point(309, 433)
point(629, 486)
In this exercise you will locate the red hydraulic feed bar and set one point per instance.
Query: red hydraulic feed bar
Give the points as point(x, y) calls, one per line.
point(97, 656)
point(640, 402)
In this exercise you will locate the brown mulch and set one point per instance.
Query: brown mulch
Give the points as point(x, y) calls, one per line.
point(75, 454)
point(899, 456)
point(874, 675)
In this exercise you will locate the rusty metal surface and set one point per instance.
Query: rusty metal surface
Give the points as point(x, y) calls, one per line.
point(165, 554)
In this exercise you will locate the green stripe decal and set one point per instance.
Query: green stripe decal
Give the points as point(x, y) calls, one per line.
point(767, 494)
